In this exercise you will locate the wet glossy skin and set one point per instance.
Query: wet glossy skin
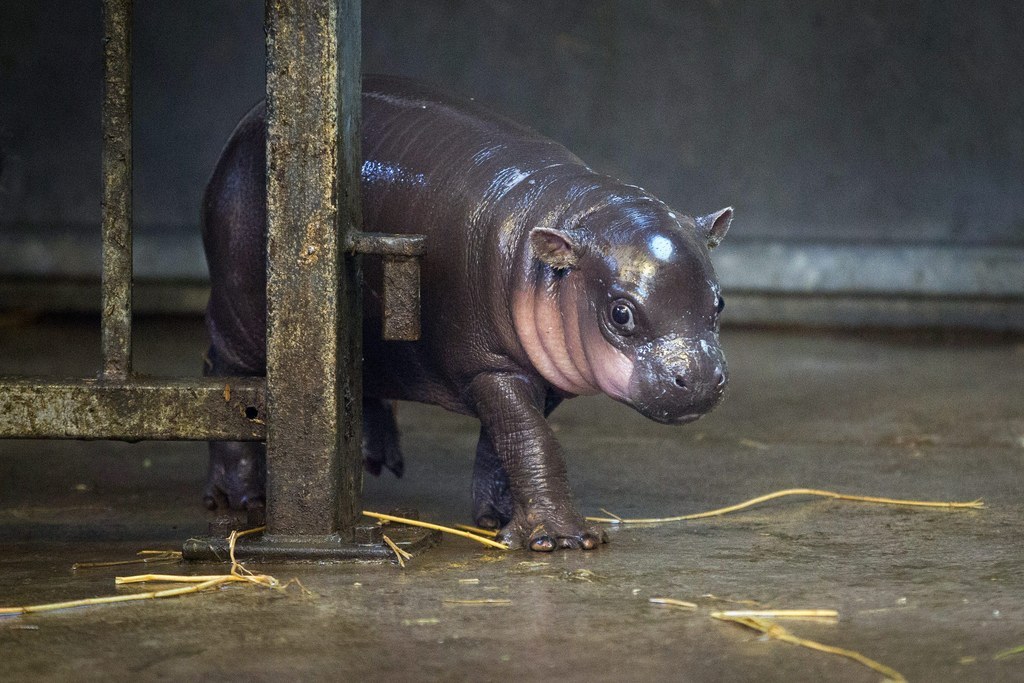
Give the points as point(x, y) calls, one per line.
point(533, 265)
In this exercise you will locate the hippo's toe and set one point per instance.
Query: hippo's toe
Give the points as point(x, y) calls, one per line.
point(569, 531)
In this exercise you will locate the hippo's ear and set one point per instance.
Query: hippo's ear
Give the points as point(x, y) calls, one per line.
point(714, 226)
point(554, 247)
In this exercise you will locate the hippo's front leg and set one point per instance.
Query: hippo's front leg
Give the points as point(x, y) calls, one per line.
point(511, 412)
point(492, 498)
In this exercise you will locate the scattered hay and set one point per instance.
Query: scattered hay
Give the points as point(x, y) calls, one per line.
point(481, 601)
point(672, 602)
point(237, 574)
point(168, 593)
point(143, 557)
point(758, 621)
point(1009, 653)
point(779, 614)
point(581, 575)
point(615, 519)
point(532, 564)
point(400, 555)
point(489, 533)
point(437, 527)
point(776, 632)
point(755, 613)
point(712, 596)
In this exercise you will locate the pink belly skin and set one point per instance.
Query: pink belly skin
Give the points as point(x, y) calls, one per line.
point(559, 331)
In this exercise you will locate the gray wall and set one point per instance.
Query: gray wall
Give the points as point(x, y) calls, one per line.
point(851, 124)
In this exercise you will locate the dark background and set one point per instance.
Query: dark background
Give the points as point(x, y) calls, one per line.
point(864, 124)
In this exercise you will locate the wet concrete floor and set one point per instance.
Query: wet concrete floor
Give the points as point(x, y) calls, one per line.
point(934, 594)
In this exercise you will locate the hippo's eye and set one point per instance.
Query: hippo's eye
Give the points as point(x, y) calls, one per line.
point(720, 304)
point(621, 313)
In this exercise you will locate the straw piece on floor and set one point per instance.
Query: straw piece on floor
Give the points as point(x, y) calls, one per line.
point(776, 632)
point(437, 527)
point(615, 519)
point(237, 574)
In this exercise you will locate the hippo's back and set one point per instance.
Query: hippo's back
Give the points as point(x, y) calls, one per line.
point(427, 148)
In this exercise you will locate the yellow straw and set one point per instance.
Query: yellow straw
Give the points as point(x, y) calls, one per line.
point(973, 505)
point(437, 527)
point(779, 633)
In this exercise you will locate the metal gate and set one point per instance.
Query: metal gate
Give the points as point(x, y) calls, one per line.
point(314, 307)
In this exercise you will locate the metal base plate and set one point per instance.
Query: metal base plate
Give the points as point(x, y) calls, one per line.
point(261, 547)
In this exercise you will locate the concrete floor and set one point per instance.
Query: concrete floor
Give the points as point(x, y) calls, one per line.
point(932, 593)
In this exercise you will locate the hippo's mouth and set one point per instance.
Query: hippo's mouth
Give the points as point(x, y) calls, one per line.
point(662, 416)
point(674, 419)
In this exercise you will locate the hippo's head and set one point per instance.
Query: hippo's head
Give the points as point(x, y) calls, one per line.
point(626, 302)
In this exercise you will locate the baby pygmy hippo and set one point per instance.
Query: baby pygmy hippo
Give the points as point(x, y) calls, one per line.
point(542, 280)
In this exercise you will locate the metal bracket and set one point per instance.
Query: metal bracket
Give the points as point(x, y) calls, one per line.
point(401, 279)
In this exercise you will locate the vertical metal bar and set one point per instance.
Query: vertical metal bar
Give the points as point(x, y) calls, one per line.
point(312, 396)
point(350, 222)
point(117, 189)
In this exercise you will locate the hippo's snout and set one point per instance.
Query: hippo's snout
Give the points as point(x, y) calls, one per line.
point(717, 375)
point(678, 380)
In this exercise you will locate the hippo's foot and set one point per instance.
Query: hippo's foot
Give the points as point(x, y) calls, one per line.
point(380, 438)
point(545, 531)
point(377, 456)
point(236, 478)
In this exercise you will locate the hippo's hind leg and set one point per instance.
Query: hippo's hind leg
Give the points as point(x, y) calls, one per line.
point(236, 478)
point(492, 497)
point(380, 437)
point(237, 474)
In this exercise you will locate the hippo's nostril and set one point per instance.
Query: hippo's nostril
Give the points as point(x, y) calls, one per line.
point(680, 382)
point(719, 377)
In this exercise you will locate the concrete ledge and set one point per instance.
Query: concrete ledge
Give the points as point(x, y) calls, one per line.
point(82, 295)
point(757, 309)
point(75, 252)
point(766, 283)
point(752, 308)
point(953, 271)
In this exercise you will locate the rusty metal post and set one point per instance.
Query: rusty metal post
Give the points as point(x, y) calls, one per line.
point(313, 483)
point(314, 301)
point(117, 189)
